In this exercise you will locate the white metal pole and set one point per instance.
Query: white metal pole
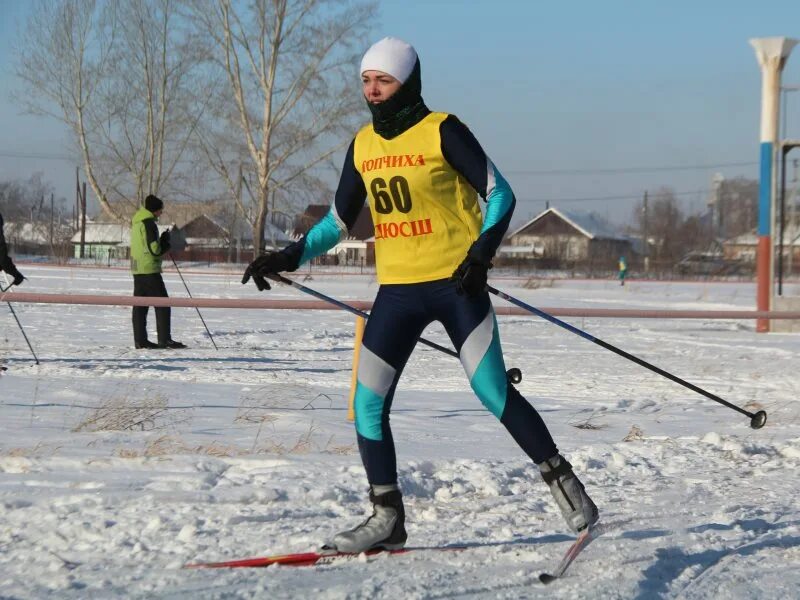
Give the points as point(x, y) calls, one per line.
point(772, 53)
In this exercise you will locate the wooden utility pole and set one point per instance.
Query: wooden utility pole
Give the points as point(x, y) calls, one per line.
point(794, 224)
point(645, 244)
point(83, 221)
point(233, 235)
point(52, 217)
point(77, 211)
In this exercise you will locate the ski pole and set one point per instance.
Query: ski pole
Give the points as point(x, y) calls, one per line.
point(514, 375)
point(757, 420)
point(13, 312)
point(196, 308)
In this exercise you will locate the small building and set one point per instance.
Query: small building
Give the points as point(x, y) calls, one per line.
point(103, 241)
point(208, 239)
point(358, 248)
point(208, 236)
point(743, 247)
point(566, 235)
point(36, 237)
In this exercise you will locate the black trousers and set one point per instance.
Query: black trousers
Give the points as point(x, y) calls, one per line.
point(399, 315)
point(150, 285)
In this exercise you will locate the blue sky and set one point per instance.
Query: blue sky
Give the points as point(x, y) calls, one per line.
point(554, 86)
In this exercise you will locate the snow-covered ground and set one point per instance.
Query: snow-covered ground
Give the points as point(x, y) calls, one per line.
point(119, 466)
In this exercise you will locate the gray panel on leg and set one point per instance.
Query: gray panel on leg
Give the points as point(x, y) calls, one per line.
point(476, 345)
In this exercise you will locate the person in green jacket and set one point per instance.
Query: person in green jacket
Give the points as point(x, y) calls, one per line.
point(147, 249)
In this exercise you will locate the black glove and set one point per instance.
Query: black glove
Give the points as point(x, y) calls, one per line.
point(163, 241)
point(471, 276)
point(265, 265)
point(18, 278)
point(177, 239)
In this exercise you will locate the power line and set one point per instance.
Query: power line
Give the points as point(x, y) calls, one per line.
point(620, 170)
point(606, 198)
point(611, 170)
point(40, 155)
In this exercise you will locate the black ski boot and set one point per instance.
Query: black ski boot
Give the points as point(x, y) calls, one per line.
point(577, 508)
point(172, 345)
point(384, 529)
point(145, 345)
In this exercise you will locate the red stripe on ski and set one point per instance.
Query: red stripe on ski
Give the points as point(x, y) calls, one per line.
point(305, 559)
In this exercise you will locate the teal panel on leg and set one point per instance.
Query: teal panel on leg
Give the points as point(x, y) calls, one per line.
point(369, 410)
point(489, 380)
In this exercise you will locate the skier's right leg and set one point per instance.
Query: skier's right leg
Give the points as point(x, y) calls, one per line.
point(393, 328)
point(139, 318)
point(139, 313)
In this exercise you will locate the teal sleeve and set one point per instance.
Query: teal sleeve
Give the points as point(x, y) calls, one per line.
point(499, 202)
point(322, 236)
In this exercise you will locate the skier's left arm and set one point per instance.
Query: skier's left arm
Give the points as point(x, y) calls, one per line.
point(464, 153)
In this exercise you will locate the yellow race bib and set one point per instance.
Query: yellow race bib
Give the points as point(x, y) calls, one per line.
point(426, 214)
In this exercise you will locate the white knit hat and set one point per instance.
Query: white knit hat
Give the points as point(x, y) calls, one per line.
point(390, 55)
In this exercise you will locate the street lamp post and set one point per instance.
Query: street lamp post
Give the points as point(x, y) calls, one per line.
point(793, 217)
point(785, 89)
point(787, 146)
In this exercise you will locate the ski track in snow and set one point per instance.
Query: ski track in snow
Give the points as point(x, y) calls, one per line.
point(247, 451)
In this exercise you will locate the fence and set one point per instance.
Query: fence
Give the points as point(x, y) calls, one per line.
point(105, 300)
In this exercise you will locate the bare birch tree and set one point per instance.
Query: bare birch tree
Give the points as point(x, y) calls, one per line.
point(672, 232)
point(738, 201)
point(156, 99)
point(290, 97)
point(61, 63)
point(119, 75)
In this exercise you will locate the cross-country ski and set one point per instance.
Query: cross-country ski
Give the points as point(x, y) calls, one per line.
point(309, 559)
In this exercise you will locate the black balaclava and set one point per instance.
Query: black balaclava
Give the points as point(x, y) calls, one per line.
point(403, 110)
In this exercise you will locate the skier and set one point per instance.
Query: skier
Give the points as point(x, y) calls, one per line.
point(422, 172)
point(623, 270)
point(6, 264)
point(147, 248)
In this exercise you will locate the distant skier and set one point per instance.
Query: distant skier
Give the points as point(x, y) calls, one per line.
point(6, 264)
point(623, 270)
point(422, 172)
point(147, 249)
